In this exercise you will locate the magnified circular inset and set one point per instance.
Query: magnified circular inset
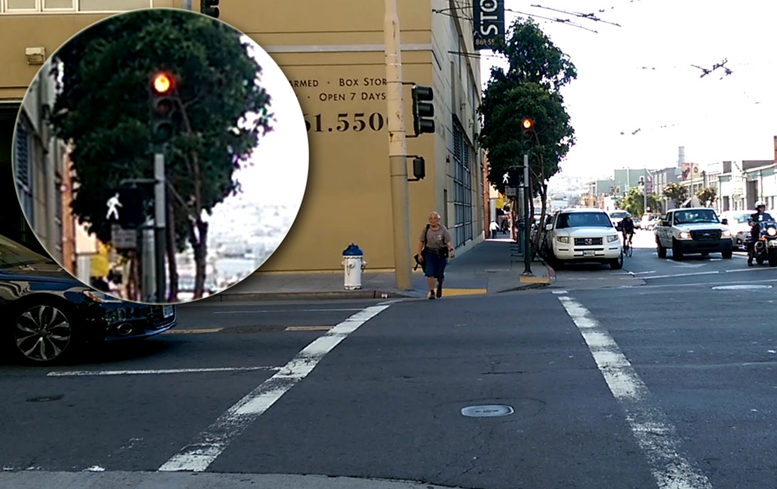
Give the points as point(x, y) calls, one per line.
point(176, 159)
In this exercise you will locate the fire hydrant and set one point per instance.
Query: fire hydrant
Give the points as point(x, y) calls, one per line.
point(353, 262)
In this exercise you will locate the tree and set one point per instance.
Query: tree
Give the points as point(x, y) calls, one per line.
point(102, 110)
point(676, 192)
point(634, 202)
point(707, 195)
point(528, 89)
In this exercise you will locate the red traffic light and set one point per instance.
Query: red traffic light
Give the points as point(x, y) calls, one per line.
point(162, 83)
point(528, 124)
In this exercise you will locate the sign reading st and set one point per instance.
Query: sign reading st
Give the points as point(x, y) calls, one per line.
point(489, 21)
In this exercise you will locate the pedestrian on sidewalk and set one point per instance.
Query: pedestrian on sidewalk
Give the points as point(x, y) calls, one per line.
point(434, 248)
point(494, 229)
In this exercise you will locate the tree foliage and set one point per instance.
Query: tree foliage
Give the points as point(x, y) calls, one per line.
point(634, 202)
point(102, 109)
point(527, 89)
point(707, 195)
point(676, 192)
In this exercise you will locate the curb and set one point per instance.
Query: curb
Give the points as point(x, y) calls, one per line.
point(551, 270)
point(333, 295)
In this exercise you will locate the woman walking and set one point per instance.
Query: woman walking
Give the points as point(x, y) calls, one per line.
point(434, 248)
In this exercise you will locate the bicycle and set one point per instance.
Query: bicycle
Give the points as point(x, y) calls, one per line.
point(627, 244)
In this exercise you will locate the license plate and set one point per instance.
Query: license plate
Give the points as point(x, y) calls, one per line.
point(588, 253)
point(167, 311)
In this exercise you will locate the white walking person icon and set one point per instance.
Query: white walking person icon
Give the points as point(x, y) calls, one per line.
point(506, 177)
point(113, 203)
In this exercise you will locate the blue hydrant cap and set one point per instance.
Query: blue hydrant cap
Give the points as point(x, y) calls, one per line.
point(353, 250)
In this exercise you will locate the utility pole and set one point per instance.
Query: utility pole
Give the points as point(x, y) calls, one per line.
point(527, 251)
point(400, 201)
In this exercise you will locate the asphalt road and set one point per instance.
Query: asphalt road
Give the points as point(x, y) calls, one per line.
point(650, 376)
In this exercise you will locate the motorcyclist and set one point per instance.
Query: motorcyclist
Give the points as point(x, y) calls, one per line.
point(755, 228)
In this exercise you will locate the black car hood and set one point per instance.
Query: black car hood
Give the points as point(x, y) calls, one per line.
point(40, 272)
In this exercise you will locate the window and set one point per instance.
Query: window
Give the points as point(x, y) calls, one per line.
point(583, 219)
point(60, 6)
point(23, 167)
point(462, 187)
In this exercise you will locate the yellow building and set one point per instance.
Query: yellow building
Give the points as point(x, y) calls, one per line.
point(332, 53)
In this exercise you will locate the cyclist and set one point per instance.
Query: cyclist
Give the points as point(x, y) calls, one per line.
point(627, 228)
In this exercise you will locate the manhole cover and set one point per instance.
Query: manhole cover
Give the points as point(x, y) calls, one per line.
point(741, 287)
point(489, 411)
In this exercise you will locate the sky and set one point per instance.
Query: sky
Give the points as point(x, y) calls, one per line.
point(639, 76)
point(280, 171)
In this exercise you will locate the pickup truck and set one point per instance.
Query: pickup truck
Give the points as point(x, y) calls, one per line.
point(693, 231)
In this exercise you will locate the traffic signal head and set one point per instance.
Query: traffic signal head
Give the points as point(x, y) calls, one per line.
point(527, 128)
point(423, 111)
point(210, 8)
point(162, 106)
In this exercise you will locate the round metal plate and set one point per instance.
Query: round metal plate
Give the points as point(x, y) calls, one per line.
point(741, 287)
point(488, 411)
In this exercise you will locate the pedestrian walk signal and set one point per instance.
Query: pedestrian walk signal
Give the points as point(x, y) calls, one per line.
point(132, 211)
point(162, 106)
point(210, 8)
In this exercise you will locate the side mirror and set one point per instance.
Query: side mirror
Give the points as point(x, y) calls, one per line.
point(724, 221)
point(548, 227)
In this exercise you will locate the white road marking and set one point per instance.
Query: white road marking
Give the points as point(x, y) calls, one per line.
point(559, 292)
point(652, 429)
point(208, 445)
point(687, 265)
point(84, 373)
point(265, 311)
point(690, 274)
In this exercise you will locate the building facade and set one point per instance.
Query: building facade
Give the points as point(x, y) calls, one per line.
point(333, 55)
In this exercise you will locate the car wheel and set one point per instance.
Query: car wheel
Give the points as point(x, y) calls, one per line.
point(727, 255)
point(42, 333)
point(676, 253)
point(661, 251)
point(617, 263)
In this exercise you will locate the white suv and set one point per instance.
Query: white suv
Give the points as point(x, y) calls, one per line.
point(584, 235)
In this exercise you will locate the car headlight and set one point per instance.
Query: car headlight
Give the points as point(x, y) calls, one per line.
point(612, 238)
point(100, 297)
point(563, 239)
point(685, 235)
point(771, 231)
point(726, 233)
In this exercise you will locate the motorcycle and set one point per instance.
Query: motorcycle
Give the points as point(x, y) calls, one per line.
point(765, 246)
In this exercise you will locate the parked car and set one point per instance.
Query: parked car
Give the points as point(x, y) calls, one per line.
point(583, 235)
point(738, 225)
point(48, 314)
point(693, 230)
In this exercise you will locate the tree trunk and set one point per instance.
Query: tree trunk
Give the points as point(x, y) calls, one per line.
point(198, 237)
point(172, 266)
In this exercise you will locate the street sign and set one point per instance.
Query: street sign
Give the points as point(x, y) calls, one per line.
point(124, 239)
point(510, 192)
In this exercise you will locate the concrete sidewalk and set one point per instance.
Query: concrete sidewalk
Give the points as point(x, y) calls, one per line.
point(489, 267)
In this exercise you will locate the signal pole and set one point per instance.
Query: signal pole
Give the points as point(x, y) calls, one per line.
point(159, 223)
point(400, 201)
point(162, 107)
